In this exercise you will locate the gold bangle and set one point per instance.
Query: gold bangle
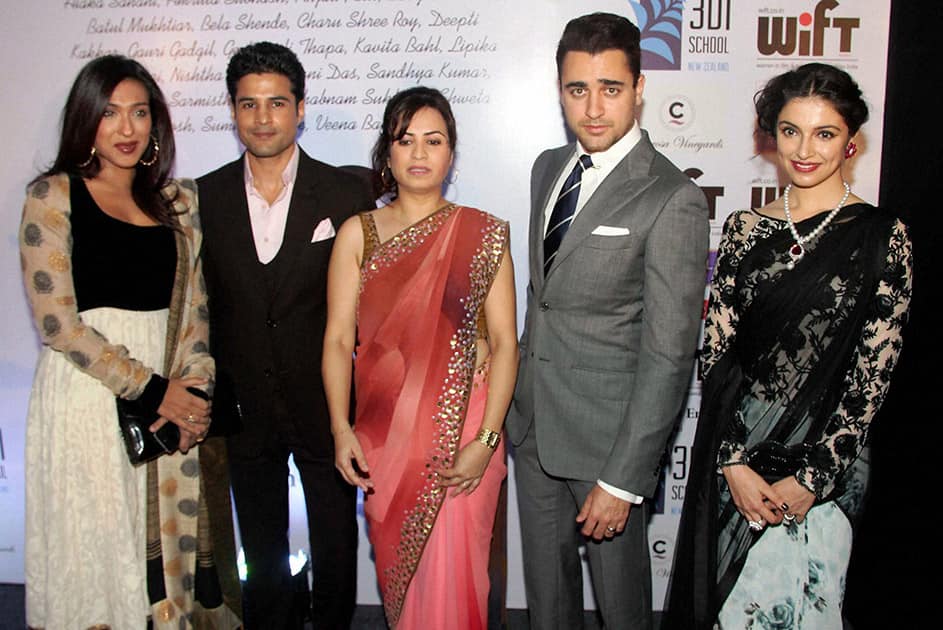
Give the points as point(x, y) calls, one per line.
point(489, 438)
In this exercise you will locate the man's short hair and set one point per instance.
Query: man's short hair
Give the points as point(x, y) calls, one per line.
point(262, 58)
point(599, 32)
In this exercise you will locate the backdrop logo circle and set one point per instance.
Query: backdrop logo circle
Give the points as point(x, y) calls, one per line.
point(677, 113)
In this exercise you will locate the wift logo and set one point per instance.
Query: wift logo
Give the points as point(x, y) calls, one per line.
point(710, 192)
point(762, 195)
point(805, 35)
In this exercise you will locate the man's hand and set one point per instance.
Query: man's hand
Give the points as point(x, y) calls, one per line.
point(603, 515)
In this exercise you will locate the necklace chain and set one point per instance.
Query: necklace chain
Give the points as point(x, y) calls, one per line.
point(797, 251)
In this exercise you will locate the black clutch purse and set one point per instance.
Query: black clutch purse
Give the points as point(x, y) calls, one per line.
point(141, 444)
point(774, 461)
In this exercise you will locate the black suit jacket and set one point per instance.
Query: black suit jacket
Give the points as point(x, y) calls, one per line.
point(267, 337)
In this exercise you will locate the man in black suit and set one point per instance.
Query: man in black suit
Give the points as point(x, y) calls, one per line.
point(269, 220)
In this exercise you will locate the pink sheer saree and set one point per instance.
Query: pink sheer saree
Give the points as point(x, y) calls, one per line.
point(419, 399)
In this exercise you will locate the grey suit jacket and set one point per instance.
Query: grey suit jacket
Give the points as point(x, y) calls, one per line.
point(610, 333)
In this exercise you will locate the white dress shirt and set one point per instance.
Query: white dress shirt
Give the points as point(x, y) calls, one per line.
point(268, 221)
point(603, 163)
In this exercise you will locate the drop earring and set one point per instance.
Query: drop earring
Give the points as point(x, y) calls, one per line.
point(154, 155)
point(88, 162)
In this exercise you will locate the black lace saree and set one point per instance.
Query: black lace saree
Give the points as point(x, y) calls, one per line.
point(784, 356)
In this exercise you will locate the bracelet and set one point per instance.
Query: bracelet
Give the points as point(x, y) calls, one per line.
point(489, 438)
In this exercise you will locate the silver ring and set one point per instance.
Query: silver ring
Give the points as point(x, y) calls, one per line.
point(789, 518)
point(756, 526)
point(611, 530)
point(189, 418)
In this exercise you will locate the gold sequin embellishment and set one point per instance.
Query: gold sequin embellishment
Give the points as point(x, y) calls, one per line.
point(451, 405)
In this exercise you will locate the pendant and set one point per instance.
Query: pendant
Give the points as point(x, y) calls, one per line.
point(796, 252)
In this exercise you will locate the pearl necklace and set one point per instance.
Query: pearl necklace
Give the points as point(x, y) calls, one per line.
point(797, 251)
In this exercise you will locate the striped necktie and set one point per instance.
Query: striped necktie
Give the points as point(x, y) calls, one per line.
point(563, 209)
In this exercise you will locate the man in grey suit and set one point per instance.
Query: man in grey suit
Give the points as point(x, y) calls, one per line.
point(618, 244)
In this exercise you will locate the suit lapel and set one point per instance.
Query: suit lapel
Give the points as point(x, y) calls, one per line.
point(238, 231)
point(541, 199)
point(302, 218)
point(626, 181)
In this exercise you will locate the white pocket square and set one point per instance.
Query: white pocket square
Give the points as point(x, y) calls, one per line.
point(323, 231)
point(609, 230)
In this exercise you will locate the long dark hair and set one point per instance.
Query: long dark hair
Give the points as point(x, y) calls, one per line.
point(82, 115)
point(396, 118)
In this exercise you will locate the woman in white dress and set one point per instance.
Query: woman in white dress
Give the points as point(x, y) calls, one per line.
point(109, 248)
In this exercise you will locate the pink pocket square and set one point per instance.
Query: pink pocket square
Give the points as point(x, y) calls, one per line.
point(323, 231)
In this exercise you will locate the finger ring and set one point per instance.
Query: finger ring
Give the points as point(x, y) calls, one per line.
point(189, 418)
point(789, 518)
point(756, 526)
point(611, 530)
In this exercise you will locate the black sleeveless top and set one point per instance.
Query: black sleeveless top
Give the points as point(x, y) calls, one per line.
point(115, 263)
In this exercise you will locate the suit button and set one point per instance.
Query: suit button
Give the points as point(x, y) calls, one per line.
point(271, 323)
point(544, 306)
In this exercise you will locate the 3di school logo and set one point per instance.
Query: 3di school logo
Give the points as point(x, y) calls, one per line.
point(814, 33)
point(659, 23)
point(709, 24)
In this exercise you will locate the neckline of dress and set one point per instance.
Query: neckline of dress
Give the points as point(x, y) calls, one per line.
point(412, 226)
point(809, 218)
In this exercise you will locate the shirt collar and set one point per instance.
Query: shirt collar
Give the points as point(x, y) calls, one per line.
point(616, 153)
point(288, 175)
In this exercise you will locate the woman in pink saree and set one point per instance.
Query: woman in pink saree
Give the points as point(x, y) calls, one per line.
point(421, 292)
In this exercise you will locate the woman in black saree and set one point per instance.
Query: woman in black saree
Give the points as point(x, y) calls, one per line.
point(803, 330)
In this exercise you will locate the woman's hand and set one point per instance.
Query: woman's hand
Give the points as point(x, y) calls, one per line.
point(188, 411)
point(755, 499)
point(350, 461)
point(799, 498)
point(469, 466)
point(188, 441)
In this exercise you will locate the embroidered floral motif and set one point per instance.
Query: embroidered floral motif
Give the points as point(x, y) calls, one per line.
point(780, 373)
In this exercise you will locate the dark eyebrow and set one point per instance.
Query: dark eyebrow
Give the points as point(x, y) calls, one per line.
point(428, 133)
point(583, 84)
point(138, 104)
point(819, 128)
point(243, 99)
